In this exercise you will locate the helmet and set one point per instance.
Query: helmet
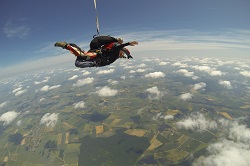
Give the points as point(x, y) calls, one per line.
point(120, 40)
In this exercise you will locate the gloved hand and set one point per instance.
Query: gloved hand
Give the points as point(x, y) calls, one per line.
point(129, 56)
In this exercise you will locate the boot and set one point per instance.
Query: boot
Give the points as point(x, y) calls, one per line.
point(60, 44)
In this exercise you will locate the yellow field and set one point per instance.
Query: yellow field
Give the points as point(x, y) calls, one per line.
point(113, 116)
point(55, 97)
point(99, 129)
point(25, 134)
point(67, 138)
point(23, 141)
point(5, 160)
point(69, 126)
point(49, 129)
point(226, 115)
point(245, 107)
point(115, 122)
point(127, 125)
point(209, 99)
point(80, 94)
point(59, 139)
point(136, 132)
point(154, 143)
point(172, 112)
point(175, 155)
point(15, 131)
point(183, 139)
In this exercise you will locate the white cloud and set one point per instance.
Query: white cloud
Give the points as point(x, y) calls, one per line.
point(47, 88)
point(160, 116)
point(20, 92)
point(197, 122)
point(215, 73)
point(84, 81)
point(86, 73)
point(200, 85)
point(76, 69)
point(163, 63)
point(236, 131)
point(232, 150)
point(226, 84)
point(227, 153)
point(141, 65)
point(49, 119)
point(106, 91)
point(80, 105)
point(105, 71)
point(137, 71)
point(4, 104)
point(209, 70)
point(242, 65)
point(187, 73)
point(155, 75)
point(19, 122)
point(202, 68)
point(42, 100)
point(155, 93)
point(245, 73)
point(123, 77)
point(237, 68)
point(43, 81)
point(16, 28)
point(73, 77)
point(180, 64)
point(113, 82)
point(54, 87)
point(8, 117)
point(129, 67)
point(17, 89)
point(186, 96)
point(167, 117)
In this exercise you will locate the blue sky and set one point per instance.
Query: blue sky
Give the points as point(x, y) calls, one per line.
point(30, 28)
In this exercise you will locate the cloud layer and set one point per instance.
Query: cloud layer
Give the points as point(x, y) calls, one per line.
point(197, 122)
point(106, 92)
point(233, 147)
point(8, 117)
point(49, 119)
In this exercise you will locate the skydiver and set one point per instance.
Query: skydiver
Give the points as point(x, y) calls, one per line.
point(104, 50)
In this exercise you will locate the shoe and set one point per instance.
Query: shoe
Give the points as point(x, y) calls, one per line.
point(60, 44)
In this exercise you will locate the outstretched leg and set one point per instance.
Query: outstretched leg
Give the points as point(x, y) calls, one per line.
point(61, 44)
point(73, 48)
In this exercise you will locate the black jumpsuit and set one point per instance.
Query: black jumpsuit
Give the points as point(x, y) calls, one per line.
point(106, 57)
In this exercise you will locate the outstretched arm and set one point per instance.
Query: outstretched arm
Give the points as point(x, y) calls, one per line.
point(133, 43)
point(126, 51)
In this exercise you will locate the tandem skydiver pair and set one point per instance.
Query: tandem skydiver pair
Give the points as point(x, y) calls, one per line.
point(104, 50)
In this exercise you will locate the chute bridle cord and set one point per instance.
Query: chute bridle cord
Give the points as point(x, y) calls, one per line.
point(97, 22)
